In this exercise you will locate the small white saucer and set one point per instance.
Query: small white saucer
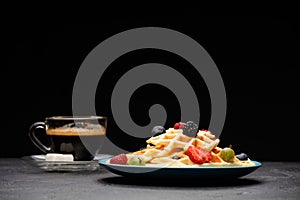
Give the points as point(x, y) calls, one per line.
point(64, 166)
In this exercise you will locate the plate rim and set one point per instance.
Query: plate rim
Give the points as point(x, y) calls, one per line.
point(102, 162)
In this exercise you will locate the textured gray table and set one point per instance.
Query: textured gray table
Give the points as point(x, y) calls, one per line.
point(19, 180)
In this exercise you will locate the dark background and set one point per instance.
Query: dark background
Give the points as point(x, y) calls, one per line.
point(256, 56)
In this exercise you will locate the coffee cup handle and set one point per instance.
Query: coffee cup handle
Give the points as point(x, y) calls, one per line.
point(34, 139)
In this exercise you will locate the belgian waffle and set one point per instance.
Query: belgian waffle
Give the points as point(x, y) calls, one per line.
point(169, 149)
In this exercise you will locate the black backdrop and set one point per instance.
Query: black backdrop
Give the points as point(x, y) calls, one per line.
point(256, 57)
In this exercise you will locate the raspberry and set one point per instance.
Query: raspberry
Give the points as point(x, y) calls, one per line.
point(190, 129)
point(120, 159)
point(179, 125)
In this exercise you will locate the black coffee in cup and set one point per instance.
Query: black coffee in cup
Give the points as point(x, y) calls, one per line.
point(80, 136)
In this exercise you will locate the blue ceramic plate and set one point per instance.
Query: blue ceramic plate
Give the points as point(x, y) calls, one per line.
point(179, 172)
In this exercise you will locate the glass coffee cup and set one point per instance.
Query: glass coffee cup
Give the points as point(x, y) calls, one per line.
point(81, 136)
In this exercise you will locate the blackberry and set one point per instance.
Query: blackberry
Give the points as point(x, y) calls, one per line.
point(190, 129)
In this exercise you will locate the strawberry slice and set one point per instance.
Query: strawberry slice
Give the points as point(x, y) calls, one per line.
point(179, 125)
point(198, 155)
point(120, 159)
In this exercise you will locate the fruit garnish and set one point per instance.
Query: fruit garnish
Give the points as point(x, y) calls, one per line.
point(120, 159)
point(176, 157)
point(227, 154)
point(179, 125)
point(198, 155)
point(157, 130)
point(242, 156)
point(136, 160)
point(190, 129)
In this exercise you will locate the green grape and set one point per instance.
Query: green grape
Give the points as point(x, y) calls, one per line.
point(136, 160)
point(227, 154)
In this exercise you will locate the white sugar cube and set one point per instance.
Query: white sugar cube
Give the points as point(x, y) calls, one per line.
point(59, 157)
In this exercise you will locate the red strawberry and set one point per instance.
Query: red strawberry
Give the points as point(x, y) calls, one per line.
point(120, 159)
point(198, 155)
point(179, 125)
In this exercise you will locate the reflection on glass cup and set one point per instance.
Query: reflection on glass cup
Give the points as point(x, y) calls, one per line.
point(80, 136)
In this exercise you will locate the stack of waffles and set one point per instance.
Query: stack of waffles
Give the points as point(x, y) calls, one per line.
point(169, 148)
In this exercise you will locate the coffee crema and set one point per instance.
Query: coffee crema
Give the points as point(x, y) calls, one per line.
point(76, 131)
